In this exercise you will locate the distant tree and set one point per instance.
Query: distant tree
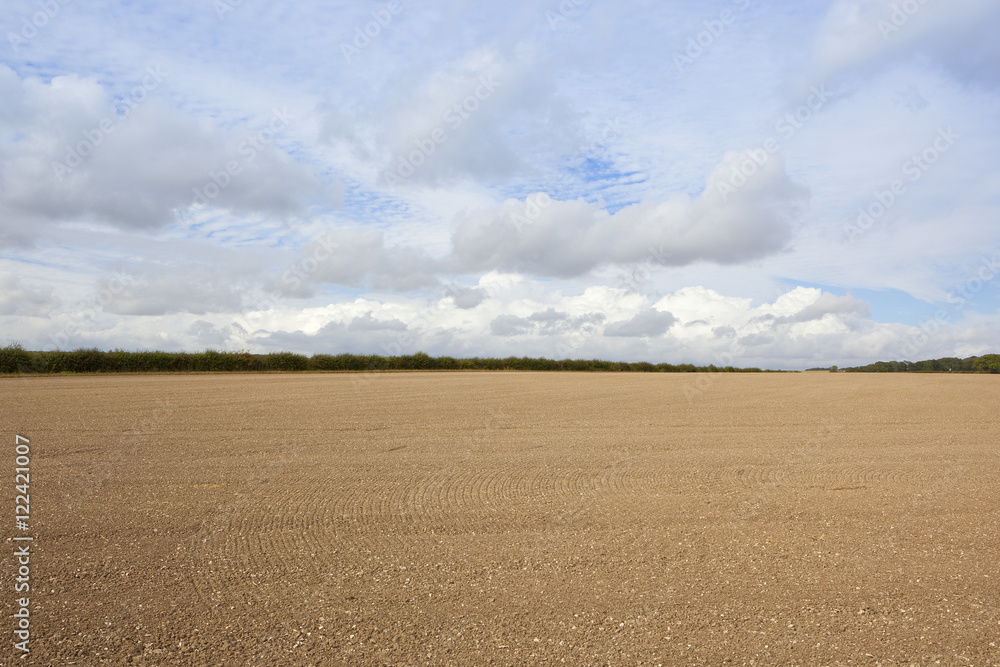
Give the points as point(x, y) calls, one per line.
point(988, 363)
point(833, 369)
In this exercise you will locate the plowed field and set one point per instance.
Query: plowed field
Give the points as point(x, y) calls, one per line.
point(508, 518)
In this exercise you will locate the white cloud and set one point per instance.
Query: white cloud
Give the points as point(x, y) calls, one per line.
point(357, 257)
point(369, 323)
point(801, 328)
point(542, 237)
point(467, 298)
point(860, 35)
point(647, 323)
point(571, 238)
point(20, 298)
point(160, 290)
point(68, 153)
point(509, 325)
point(474, 118)
point(828, 304)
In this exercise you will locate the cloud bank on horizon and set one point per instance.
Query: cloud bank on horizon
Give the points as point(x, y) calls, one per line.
point(729, 182)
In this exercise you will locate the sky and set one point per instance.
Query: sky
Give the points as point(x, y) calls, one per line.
point(783, 185)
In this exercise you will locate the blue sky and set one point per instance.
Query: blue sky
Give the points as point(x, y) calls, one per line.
point(769, 184)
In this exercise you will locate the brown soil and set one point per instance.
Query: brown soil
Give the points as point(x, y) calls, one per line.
point(509, 518)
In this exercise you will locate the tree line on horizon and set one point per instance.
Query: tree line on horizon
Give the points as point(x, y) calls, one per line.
point(987, 363)
point(15, 359)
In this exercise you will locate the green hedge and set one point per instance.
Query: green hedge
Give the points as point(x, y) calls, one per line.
point(14, 359)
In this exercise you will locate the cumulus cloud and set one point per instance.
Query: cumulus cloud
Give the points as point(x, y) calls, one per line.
point(357, 257)
point(756, 340)
point(69, 153)
point(727, 224)
point(20, 298)
point(160, 291)
point(468, 298)
point(699, 304)
point(828, 304)
point(738, 218)
point(729, 316)
point(549, 322)
point(862, 35)
point(369, 323)
point(724, 332)
point(509, 325)
point(647, 323)
point(472, 118)
point(332, 337)
point(549, 316)
point(801, 319)
point(208, 336)
point(801, 328)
